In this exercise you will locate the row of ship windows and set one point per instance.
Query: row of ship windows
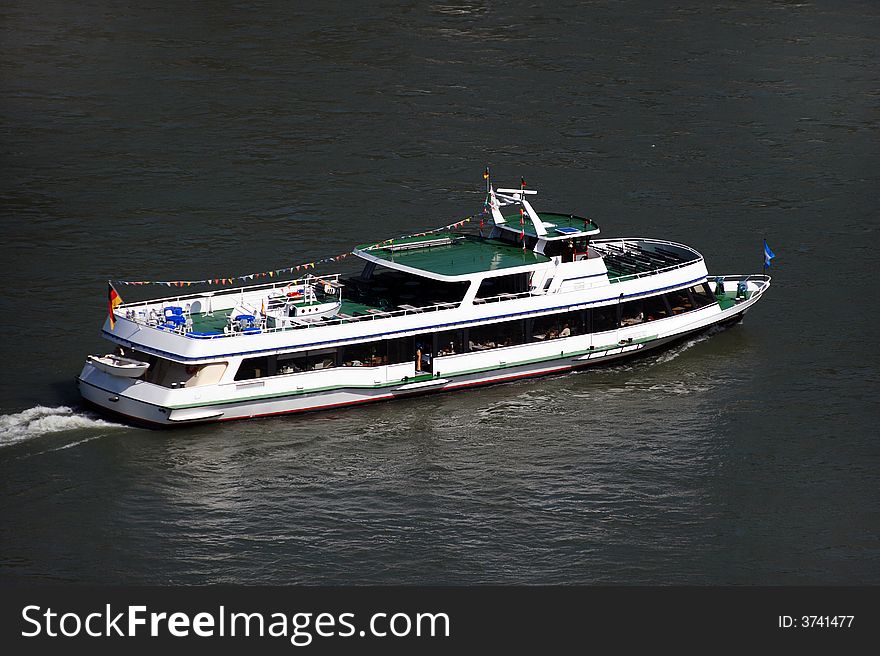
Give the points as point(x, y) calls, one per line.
point(422, 348)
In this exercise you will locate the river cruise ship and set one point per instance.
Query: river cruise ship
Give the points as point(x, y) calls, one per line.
point(532, 293)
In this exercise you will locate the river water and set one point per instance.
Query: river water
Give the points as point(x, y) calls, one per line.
point(196, 140)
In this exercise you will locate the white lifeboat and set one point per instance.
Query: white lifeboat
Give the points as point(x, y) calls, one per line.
point(116, 365)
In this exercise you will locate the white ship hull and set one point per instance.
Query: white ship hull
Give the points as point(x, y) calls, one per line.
point(154, 405)
point(430, 312)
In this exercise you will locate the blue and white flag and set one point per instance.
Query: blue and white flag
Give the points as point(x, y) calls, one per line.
point(768, 255)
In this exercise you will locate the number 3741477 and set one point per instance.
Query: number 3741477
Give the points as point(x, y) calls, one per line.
point(816, 621)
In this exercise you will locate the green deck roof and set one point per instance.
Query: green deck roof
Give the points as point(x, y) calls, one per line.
point(466, 255)
point(557, 221)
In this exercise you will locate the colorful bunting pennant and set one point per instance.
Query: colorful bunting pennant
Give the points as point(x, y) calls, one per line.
point(291, 269)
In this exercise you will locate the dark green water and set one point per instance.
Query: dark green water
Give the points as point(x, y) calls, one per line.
point(214, 139)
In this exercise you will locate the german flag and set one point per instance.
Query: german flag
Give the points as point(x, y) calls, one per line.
point(113, 299)
point(486, 174)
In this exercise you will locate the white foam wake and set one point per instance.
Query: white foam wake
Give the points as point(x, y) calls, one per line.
point(41, 420)
point(675, 351)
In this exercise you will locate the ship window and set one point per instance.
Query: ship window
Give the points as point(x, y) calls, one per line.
point(655, 308)
point(514, 237)
point(632, 313)
point(508, 333)
point(564, 248)
point(702, 295)
point(514, 284)
point(400, 350)
point(164, 372)
point(559, 325)
point(388, 289)
point(368, 354)
point(291, 363)
point(450, 342)
point(316, 359)
point(604, 318)
point(680, 301)
point(254, 368)
point(550, 327)
point(575, 321)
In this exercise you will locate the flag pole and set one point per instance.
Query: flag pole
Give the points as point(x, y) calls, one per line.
point(487, 178)
point(522, 215)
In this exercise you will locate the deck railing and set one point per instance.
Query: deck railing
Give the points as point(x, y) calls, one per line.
point(384, 314)
point(335, 321)
point(633, 244)
point(197, 296)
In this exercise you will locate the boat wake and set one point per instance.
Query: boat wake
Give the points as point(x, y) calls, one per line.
point(672, 353)
point(41, 420)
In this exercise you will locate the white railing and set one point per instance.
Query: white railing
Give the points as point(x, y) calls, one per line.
point(508, 296)
point(633, 243)
point(336, 321)
point(332, 278)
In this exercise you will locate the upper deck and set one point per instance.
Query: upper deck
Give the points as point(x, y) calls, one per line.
point(627, 259)
point(448, 255)
point(462, 276)
point(557, 226)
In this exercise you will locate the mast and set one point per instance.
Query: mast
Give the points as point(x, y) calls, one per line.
point(518, 197)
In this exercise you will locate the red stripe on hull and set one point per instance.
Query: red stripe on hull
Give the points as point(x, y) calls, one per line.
point(385, 397)
point(502, 379)
point(315, 407)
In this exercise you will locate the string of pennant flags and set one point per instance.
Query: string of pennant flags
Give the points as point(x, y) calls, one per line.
point(231, 280)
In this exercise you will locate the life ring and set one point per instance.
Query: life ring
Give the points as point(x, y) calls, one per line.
point(293, 294)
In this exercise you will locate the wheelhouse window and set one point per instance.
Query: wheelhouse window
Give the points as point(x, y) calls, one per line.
point(389, 289)
point(513, 284)
point(514, 237)
point(563, 248)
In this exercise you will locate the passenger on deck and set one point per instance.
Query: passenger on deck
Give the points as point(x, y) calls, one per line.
point(631, 321)
point(426, 359)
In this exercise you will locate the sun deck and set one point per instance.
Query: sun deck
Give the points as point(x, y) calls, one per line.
point(450, 254)
point(627, 259)
point(558, 226)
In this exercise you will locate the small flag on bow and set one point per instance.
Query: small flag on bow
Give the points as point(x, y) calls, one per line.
point(768, 255)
